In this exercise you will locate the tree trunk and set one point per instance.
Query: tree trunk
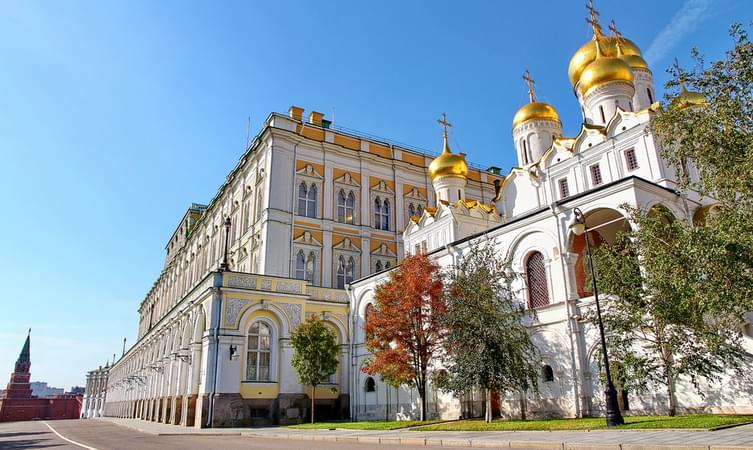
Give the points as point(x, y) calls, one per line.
point(422, 400)
point(313, 399)
point(671, 394)
point(522, 405)
point(488, 416)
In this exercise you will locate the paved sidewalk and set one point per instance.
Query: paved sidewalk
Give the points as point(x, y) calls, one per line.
point(732, 438)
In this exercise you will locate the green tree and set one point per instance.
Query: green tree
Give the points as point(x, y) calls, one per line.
point(314, 355)
point(404, 331)
point(659, 325)
point(487, 344)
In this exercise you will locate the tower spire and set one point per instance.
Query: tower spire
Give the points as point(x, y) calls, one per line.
point(445, 125)
point(23, 363)
point(530, 81)
point(593, 20)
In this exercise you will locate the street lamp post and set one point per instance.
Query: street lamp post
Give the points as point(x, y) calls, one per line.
point(224, 266)
point(614, 417)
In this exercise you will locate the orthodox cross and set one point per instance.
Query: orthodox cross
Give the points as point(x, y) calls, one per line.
point(530, 81)
point(613, 29)
point(593, 20)
point(445, 124)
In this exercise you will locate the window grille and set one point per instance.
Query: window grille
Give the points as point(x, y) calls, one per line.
point(538, 290)
point(564, 188)
point(630, 159)
point(596, 175)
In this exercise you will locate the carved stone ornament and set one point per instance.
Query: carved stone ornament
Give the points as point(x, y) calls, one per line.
point(293, 312)
point(241, 282)
point(233, 309)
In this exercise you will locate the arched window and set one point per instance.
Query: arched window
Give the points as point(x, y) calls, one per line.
point(311, 202)
point(310, 267)
point(340, 276)
point(386, 215)
point(650, 95)
point(259, 352)
point(300, 266)
point(259, 205)
point(378, 266)
point(370, 385)
point(525, 151)
point(538, 290)
point(411, 210)
point(377, 212)
point(341, 206)
point(547, 374)
point(350, 270)
point(387, 265)
point(302, 197)
point(603, 116)
point(368, 311)
point(350, 208)
point(420, 210)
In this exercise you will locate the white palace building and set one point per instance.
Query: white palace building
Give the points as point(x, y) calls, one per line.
point(318, 216)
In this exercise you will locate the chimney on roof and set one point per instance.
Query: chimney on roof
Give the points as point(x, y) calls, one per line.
point(315, 118)
point(296, 113)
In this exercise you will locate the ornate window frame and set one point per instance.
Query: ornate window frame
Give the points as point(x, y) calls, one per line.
point(348, 185)
point(312, 180)
point(346, 250)
point(417, 200)
point(311, 248)
point(382, 192)
point(382, 258)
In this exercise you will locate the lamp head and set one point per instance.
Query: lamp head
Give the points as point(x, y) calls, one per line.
point(578, 226)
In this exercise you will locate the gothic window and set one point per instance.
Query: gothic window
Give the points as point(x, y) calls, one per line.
point(381, 214)
point(307, 200)
point(346, 205)
point(411, 210)
point(420, 210)
point(300, 266)
point(310, 267)
point(525, 152)
point(340, 276)
point(259, 352)
point(547, 374)
point(387, 265)
point(370, 385)
point(350, 270)
point(538, 290)
point(311, 202)
point(378, 266)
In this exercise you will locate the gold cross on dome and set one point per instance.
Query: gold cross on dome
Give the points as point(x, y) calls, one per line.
point(445, 124)
point(613, 29)
point(530, 81)
point(594, 19)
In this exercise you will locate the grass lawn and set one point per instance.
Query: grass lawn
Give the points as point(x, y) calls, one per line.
point(375, 425)
point(631, 423)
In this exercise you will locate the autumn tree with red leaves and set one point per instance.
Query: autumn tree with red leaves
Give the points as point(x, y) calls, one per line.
point(404, 329)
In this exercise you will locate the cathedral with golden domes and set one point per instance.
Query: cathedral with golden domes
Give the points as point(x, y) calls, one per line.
point(313, 217)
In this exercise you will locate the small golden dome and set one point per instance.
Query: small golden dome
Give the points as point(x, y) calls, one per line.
point(604, 69)
point(535, 110)
point(635, 61)
point(448, 163)
point(687, 99)
point(587, 54)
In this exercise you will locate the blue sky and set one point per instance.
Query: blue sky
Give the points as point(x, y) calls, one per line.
point(115, 116)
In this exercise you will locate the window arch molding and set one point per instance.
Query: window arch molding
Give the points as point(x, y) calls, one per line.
point(259, 354)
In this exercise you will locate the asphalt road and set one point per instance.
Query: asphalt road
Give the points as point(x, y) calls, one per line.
point(101, 435)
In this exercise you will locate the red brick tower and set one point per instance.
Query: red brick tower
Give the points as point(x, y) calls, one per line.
point(19, 386)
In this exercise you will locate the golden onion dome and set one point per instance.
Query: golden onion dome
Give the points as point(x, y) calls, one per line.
point(687, 99)
point(587, 54)
point(635, 61)
point(535, 110)
point(604, 69)
point(447, 164)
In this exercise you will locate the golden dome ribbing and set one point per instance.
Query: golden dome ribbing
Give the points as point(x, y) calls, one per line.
point(448, 163)
point(604, 69)
point(587, 54)
point(535, 110)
